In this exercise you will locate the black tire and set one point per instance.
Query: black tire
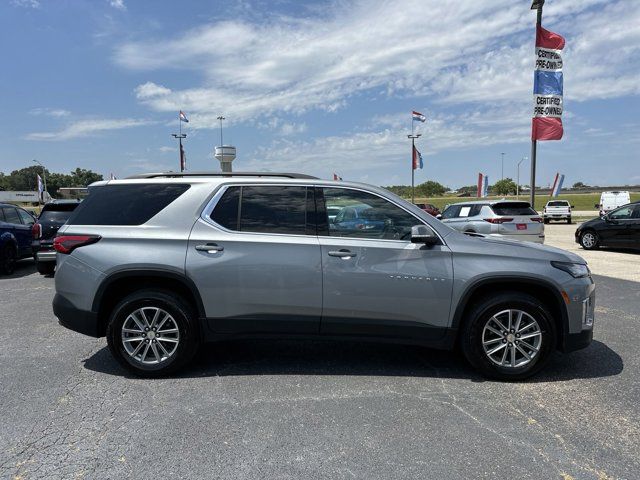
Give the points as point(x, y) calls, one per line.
point(8, 259)
point(546, 220)
point(45, 268)
point(569, 222)
point(585, 240)
point(481, 313)
point(184, 317)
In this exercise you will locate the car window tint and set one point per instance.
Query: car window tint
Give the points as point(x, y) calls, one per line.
point(132, 204)
point(365, 215)
point(451, 211)
point(557, 203)
point(622, 213)
point(636, 212)
point(225, 212)
point(26, 218)
point(273, 209)
point(11, 215)
point(513, 208)
point(55, 216)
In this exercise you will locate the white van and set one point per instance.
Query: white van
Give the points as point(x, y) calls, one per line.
point(611, 200)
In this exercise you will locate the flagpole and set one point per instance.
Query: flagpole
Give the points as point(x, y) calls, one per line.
point(413, 170)
point(537, 4)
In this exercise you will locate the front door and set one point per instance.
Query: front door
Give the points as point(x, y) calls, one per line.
point(619, 231)
point(376, 282)
point(255, 259)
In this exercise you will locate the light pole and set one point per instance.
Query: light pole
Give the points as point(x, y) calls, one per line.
point(179, 137)
point(502, 170)
point(518, 180)
point(221, 118)
point(44, 177)
point(413, 170)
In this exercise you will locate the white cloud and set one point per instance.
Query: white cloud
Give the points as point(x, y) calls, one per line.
point(50, 112)
point(455, 52)
point(88, 127)
point(26, 3)
point(118, 4)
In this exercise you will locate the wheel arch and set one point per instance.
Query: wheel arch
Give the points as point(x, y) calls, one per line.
point(544, 290)
point(115, 286)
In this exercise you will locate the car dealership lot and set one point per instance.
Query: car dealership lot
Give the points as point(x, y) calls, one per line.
point(318, 409)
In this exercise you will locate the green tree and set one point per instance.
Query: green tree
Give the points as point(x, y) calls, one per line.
point(82, 178)
point(579, 185)
point(431, 188)
point(469, 189)
point(506, 186)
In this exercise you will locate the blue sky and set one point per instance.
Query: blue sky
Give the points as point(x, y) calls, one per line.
point(317, 87)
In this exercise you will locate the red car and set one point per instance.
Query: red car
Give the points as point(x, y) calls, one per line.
point(429, 208)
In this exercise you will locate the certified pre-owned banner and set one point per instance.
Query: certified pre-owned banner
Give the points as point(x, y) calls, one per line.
point(547, 87)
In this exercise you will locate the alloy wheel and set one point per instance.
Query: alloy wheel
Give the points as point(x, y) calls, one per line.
point(588, 240)
point(150, 335)
point(511, 338)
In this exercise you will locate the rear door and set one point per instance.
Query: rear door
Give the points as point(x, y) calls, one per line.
point(255, 258)
point(20, 230)
point(378, 283)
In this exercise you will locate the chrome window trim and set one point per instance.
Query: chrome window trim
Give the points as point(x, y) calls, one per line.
point(211, 204)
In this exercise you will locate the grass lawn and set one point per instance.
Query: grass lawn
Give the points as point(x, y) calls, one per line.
point(580, 201)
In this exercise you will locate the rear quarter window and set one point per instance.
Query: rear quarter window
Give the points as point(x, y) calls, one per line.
point(513, 208)
point(132, 204)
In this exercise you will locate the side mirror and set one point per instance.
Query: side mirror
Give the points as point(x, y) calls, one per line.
point(439, 216)
point(597, 205)
point(424, 235)
point(573, 206)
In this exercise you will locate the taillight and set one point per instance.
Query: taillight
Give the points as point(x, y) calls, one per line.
point(498, 220)
point(536, 219)
point(68, 243)
point(36, 230)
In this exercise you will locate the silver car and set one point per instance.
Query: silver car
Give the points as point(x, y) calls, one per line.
point(162, 263)
point(502, 218)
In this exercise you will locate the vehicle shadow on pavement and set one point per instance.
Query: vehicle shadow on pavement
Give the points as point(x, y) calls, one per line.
point(320, 357)
point(23, 268)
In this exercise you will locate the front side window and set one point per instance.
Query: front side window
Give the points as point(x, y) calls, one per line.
point(265, 209)
point(623, 213)
point(364, 215)
point(26, 218)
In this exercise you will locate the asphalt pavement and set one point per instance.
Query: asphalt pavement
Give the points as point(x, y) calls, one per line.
point(315, 409)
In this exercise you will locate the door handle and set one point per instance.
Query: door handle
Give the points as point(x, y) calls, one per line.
point(343, 253)
point(209, 248)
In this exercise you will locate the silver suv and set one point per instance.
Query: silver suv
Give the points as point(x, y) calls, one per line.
point(161, 263)
point(510, 218)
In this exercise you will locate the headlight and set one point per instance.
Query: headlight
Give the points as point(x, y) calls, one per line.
point(576, 270)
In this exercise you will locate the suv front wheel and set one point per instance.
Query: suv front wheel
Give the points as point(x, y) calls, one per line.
point(152, 333)
point(509, 336)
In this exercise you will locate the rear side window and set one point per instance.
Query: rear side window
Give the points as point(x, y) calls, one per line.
point(513, 208)
point(11, 215)
point(266, 209)
point(132, 204)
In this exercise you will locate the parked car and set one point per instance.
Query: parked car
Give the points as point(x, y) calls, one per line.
point(502, 218)
point(52, 217)
point(611, 200)
point(618, 228)
point(161, 263)
point(429, 208)
point(557, 210)
point(15, 236)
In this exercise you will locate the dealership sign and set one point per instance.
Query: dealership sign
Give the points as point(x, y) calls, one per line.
point(547, 87)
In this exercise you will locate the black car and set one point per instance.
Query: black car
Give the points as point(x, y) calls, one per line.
point(618, 228)
point(15, 236)
point(52, 217)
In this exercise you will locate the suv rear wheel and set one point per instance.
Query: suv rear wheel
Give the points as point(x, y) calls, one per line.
point(152, 333)
point(509, 336)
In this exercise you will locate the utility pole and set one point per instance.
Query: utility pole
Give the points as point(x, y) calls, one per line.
point(502, 170)
point(413, 170)
point(44, 177)
point(518, 184)
point(180, 136)
point(536, 5)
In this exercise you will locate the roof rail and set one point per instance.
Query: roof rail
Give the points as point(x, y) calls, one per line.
point(220, 174)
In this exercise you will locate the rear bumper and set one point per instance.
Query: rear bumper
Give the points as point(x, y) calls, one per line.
point(46, 256)
point(73, 318)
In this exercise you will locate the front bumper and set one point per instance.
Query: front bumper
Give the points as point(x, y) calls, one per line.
point(578, 332)
point(75, 319)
